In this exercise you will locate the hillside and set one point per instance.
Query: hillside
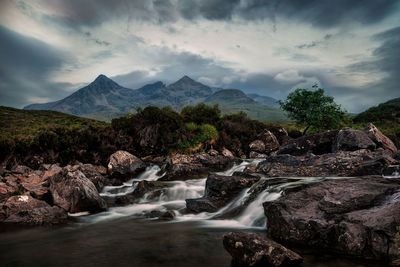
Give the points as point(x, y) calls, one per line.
point(103, 94)
point(265, 100)
point(385, 116)
point(233, 101)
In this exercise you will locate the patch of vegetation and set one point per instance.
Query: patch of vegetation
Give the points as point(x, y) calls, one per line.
point(16, 192)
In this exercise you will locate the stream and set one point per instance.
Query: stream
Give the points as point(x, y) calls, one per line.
point(126, 236)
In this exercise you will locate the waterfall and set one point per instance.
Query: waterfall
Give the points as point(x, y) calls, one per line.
point(247, 205)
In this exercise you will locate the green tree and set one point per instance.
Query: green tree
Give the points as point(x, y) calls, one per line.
point(312, 108)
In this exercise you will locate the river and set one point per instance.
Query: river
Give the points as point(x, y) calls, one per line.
point(123, 236)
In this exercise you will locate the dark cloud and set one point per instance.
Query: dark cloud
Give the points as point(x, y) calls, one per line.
point(25, 64)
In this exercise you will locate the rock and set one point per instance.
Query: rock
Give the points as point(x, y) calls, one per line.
point(6, 191)
point(226, 153)
point(257, 146)
point(20, 169)
point(219, 191)
point(93, 173)
point(350, 216)
point(379, 138)
point(318, 144)
point(255, 250)
point(182, 167)
point(281, 134)
point(38, 191)
point(256, 155)
point(167, 216)
point(342, 163)
point(24, 209)
point(73, 192)
point(123, 163)
point(269, 140)
point(351, 140)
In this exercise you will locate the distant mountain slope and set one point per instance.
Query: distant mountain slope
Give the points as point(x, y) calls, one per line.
point(234, 101)
point(182, 93)
point(104, 99)
point(103, 94)
point(265, 100)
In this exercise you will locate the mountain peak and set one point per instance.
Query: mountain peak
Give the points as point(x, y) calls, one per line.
point(186, 79)
point(102, 78)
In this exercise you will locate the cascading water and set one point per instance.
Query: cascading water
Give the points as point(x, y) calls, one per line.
point(174, 193)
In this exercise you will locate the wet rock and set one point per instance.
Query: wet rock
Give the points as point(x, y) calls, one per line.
point(20, 169)
point(256, 155)
point(270, 141)
point(93, 173)
point(25, 209)
point(182, 167)
point(342, 163)
point(255, 250)
point(351, 140)
point(281, 134)
point(123, 163)
point(318, 144)
point(73, 192)
point(167, 216)
point(226, 153)
point(219, 191)
point(350, 216)
point(379, 138)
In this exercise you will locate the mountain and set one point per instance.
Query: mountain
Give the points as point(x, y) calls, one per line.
point(234, 101)
point(265, 100)
point(184, 92)
point(103, 94)
point(104, 99)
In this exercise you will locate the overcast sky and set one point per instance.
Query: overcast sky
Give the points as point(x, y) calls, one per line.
point(50, 48)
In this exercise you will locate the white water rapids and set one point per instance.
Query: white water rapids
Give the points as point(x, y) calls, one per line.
point(174, 194)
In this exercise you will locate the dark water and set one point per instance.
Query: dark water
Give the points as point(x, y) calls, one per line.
point(126, 242)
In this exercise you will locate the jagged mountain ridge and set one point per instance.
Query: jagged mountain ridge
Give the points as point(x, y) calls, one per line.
point(104, 99)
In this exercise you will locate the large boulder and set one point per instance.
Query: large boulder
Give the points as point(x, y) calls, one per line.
point(257, 146)
point(349, 139)
point(219, 191)
point(342, 163)
point(379, 138)
point(24, 209)
point(73, 192)
point(281, 134)
point(182, 166)
point(265, 143)
point(123, 163)
point(351, 216)
point(94, 173)
point(255, 250)
point(318, 144)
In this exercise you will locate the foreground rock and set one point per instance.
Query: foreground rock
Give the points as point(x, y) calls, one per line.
point(255, 250)
point(351, 216)
point(72, 191)
point(25, 209)
point(182, 167)
point(219, 191)
point(349, 139)
point(265, 143)
point(124, 164)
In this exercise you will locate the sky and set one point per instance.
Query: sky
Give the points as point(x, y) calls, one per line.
point(50, 48)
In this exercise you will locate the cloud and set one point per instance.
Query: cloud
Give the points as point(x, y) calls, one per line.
point(25, 66)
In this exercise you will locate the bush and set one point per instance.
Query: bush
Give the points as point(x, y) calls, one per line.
point(201, 114)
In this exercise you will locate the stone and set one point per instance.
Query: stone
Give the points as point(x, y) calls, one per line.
point(379, 138)
point(73, 192)
point(256, 155)
point(257, 145)
point(123, 163)
point(219, 191)
point(255, 250)
point(351, 140)
point(24, 209)
point(226, 153)
point(350, 216)
point(270, 141)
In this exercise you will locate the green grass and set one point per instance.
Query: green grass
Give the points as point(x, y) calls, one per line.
point(17, 123)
